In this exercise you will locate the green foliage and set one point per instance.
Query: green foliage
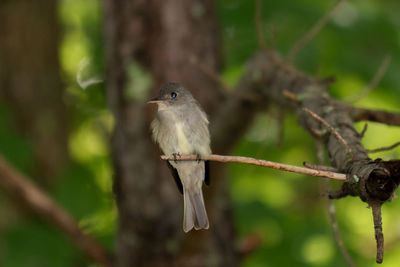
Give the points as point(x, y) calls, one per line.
point(78, 182)
point(139, 83)
point(12, 144)
point(34, 243)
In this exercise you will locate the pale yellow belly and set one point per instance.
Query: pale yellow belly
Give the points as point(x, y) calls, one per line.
point(183, 143)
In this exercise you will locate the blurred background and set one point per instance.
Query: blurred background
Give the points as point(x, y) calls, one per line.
point(56, 125)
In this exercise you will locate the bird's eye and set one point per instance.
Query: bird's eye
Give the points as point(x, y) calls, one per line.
point(173, 94)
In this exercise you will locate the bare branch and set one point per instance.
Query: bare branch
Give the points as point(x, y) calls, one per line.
point(375, 80)
point(383, 148)
point(331, 130)
point(313, 31)
point(364, 130)
point(34, 198)
point(376, 214)
point(335, 229)
point(364, 114)
point(259, 162)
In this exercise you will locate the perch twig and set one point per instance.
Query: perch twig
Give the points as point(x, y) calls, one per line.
point(260, 162)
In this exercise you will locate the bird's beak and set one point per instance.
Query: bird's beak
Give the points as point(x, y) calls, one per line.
point(156, 100)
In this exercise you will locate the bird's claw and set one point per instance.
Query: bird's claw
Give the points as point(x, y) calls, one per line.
point(176, 155)
point(198, 158)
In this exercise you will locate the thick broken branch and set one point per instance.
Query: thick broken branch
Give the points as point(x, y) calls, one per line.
point(19, 186)
point(263, 163)
point(267, 76)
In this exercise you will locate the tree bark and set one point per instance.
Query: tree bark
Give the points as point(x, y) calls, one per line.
point(161, 37)
point(30, 82)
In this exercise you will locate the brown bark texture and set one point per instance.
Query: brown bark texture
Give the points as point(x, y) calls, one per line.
point(30, 83)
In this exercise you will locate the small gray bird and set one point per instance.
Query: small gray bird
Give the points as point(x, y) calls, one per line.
point(181, 127)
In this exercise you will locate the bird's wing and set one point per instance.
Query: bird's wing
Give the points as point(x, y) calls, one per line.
point(207, 172)
point(175, 174)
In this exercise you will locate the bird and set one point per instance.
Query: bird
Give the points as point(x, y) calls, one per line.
point(181, 128)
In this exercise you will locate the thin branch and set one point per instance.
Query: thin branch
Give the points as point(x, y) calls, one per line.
point(337, 194)
point(336, 233)
point(319, 167)
point(375, 80)
point(312, 32)
point(318, 133)
point(364, 114)
point(34, 198)
point(331, 130)
point(259, 162)
point(258, 24)
point(376, 214)
point(364, 130)
point(290, 96)
point(384, 148)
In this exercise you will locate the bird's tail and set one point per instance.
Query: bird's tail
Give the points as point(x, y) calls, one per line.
point(194, 211)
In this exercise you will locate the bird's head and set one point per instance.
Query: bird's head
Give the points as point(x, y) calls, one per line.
point(172, 95)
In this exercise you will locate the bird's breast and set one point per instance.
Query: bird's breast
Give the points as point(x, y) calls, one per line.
point(184, 145)
point(183, 132)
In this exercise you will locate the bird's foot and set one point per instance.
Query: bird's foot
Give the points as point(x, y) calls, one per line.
point(176, 155)
point(198, 158)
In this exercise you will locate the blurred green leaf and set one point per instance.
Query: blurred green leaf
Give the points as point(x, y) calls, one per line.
point(78, 192)
point(34, 243)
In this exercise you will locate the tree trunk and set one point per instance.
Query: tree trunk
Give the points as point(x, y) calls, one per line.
point(30, 81)
point(161, 39)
